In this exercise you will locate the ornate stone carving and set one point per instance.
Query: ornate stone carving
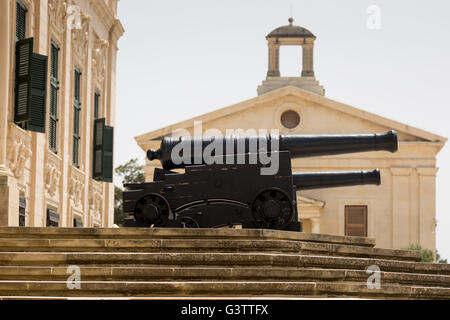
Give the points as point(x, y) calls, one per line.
point(76, 188)
point(103, 12)
point(18, 153)
point(52, 175)
point(95, 201)
point(57, 11)
point(99, 54)
point(80, 37)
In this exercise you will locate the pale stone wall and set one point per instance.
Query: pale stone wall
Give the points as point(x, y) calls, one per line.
point(27, 166)
point(401, 211)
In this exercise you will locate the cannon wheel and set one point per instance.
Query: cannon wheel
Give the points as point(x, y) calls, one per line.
point(272, 209)
point(152, 209)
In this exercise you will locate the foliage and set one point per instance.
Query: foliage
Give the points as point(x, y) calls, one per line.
point(426, 255)
point(129, 172)
point(439, 259)
point(119, 215)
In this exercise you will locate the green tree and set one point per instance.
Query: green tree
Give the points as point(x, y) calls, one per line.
point(119, 215)
point(439, 259)
point(426, 255)
point(130, 172)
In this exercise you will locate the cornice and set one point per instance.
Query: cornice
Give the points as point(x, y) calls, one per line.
point(117, 30)
point(104, 12)
point(401, 171)
point(427, 171)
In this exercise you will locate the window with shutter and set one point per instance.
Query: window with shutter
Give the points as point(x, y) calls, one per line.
point(22, 209)
point(52, 218)
point(30, 87)
point(54, 88)
point(77, 223)
point(21, 19)
point(103, 151)
point(356, 221)
point(76, 117)
point(96, 104)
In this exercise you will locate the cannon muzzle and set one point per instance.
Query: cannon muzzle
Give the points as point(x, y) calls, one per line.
point(192, 150)
point(315, 180)
point(317, 145)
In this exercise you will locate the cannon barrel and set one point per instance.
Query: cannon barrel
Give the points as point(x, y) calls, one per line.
point(298, 145)
point(315, 180)
point(317, 145)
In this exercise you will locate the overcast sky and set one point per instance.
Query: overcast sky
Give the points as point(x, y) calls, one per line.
point(179, 59)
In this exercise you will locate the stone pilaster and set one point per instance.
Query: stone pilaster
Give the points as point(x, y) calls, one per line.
point(9, 202)
point(401, 180)
point(308, 63)
point(64, 121)
point(274, 60)
point(315, 225)
point(5, 78)
point(108, 214)
point(88, 121)
point(42, 27)
point(38, 205)
point(427, 207)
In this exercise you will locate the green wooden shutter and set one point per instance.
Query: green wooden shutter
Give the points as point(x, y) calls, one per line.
point(103, 151)
point(22, 208)
point(52, 218)
point(76, 116)
point(77, 223)
point(54, 88)
point(31, 87)
point(21, 19)
point(99, 125)
point(24, 53)
point(108, 146)
point(96, 104)
point(36, 121)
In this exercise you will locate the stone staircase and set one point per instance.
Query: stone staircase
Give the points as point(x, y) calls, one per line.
point(232, 263)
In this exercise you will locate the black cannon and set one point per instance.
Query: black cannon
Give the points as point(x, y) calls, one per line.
point(230, 180)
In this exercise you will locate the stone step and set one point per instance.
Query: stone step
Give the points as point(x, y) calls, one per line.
point(215, 288)
point(14, 273)
point(173, 233)
point(200, 245)
point(215, 259)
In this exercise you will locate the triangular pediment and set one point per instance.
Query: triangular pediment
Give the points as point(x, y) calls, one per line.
point(318, 114)
point(310, 202)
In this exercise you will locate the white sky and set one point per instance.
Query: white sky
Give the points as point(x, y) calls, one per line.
point(179, 59)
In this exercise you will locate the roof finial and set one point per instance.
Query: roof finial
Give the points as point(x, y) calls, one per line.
point(291, 20)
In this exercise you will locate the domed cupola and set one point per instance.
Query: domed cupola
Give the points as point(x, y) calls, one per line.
point(291, 31)
point(294, 36)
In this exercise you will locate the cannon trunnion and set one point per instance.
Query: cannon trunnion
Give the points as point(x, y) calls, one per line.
point(229, 192)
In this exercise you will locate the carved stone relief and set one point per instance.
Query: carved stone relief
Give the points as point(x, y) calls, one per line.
point(18, 153)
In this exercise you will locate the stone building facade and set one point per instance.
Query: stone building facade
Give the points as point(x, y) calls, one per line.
point(52, 170)
point(399, 212)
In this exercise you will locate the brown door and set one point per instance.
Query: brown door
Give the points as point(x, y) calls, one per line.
point(356, 221)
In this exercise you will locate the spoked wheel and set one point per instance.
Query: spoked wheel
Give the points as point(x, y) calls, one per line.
point(188, 222)
point(272, 209)
point(152, 209)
